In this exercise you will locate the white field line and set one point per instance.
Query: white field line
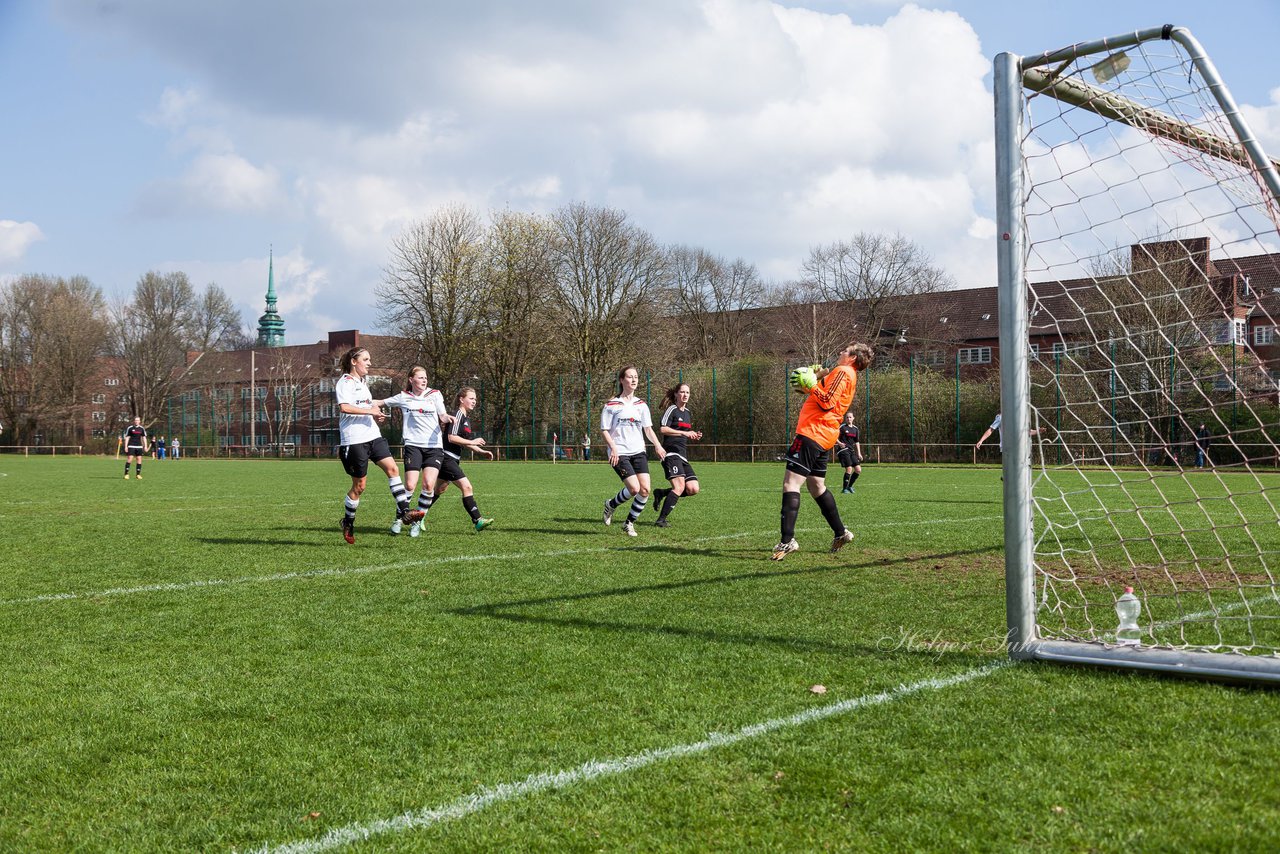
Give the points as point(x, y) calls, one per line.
point(213, 583)
point(599, 769)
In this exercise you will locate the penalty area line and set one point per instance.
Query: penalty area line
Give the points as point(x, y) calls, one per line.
point(600, 769)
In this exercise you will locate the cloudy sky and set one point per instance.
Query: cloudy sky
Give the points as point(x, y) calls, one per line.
point(159, 135)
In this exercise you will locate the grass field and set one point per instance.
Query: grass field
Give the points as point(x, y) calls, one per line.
point(197, 661)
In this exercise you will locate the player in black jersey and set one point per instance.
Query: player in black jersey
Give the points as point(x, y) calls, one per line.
point(135, 446)
point(676, 427)
point(460, 436)
point(849, 452)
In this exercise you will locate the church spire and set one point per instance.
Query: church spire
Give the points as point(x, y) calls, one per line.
point(271, 324)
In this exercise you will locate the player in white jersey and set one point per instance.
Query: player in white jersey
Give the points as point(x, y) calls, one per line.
point(424, 415)
point(625, 422)
point(361, 440)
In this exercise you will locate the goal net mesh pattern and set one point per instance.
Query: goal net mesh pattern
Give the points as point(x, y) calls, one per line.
point(1154, 288)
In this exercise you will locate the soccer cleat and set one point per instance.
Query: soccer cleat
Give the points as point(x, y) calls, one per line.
point(410, 516)
point(629, 529)
point(608, 514)
point(662, 523)
point(138, 475)
point(415, 529)
point(483, 523)
point(839, 542)
point(658, 496)
point(395, 527)
point(126, 475)
point(348, 529)
point(781, 550)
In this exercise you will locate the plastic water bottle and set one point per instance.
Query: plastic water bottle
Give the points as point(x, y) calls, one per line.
point(1128, 608)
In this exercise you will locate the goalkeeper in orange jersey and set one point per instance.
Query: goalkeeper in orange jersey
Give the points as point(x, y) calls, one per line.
point(817, 430)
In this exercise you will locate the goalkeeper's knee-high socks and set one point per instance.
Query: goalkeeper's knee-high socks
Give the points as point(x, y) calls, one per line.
point(790, 510)
point(830, 512)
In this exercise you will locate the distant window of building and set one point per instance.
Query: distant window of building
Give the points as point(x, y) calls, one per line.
point(1035, 351)
point(975, 355)
point(1263, 335)
point(99, 415)
point(99, 398)
point(1241, 331)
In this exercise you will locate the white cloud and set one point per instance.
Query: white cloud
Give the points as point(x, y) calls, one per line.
point(750, 128)
point(216, 182)
point(16, 238)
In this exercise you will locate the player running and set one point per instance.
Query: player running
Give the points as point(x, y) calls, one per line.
point(362, 441)
point(816, 432)
point(625, 422)
point(424, 413)
point(136, 445)
point(849, 452)
point(460, 436)
point(676, 427)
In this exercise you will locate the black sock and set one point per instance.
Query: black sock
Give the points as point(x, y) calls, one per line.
point(469, 502)
point(669, 503)
point(852, 478)
point(830, 512)
point(790, 510)
point(846, 481)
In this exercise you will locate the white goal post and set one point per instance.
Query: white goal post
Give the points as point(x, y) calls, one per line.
point(1139, 282)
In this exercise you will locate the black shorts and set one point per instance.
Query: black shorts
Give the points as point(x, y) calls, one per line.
point(417, 459)
point(450, 469)
point(674, 466)
point(806, 457)
point(355, 458)
point(634, 464)
point(134, 451)
point(848, 459)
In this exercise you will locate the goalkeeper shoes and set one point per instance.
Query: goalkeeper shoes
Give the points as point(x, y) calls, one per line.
point(781, 550)
point(839, 542)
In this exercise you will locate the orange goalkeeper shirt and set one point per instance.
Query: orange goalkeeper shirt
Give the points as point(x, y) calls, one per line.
point(825, 406)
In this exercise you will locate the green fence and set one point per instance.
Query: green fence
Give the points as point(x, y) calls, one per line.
point(907, 412)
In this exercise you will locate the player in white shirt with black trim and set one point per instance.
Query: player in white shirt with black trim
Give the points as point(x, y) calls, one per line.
point(361, 441)
point(625, 422)
point(424, 416)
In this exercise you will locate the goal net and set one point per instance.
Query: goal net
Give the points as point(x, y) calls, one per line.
point(1139, 297)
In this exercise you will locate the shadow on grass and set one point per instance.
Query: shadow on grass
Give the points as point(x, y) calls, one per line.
point(263, 541)
point(506, 610)
point(991, 501)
